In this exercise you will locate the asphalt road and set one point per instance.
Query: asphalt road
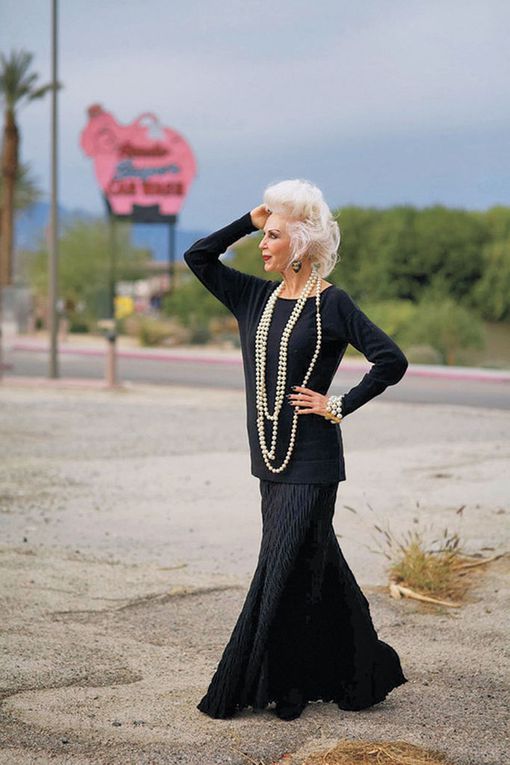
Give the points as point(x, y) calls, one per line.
point(413, 389)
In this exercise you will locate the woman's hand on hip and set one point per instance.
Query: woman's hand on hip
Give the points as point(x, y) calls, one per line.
point(308, 401)
point(259, 215)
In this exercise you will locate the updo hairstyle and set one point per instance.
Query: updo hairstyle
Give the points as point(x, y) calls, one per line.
point(312, 229)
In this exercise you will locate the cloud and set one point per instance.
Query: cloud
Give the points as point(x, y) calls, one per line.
point(398, 71)
point(245, 81)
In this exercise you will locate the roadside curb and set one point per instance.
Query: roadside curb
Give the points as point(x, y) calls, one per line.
point(233, 357)
point(73, 383)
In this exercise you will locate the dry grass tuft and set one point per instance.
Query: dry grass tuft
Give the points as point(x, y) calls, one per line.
point(437, 572)
point(433, 572)
point(347, 752)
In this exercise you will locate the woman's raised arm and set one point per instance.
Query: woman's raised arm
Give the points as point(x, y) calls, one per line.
point(224, 282)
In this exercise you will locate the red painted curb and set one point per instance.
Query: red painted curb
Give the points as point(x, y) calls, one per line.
point(414, 370)
point(127, 354)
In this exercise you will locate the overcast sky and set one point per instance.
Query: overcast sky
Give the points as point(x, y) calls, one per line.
point(379, 102)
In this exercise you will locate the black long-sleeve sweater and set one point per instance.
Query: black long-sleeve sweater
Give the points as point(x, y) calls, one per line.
point(318, 450)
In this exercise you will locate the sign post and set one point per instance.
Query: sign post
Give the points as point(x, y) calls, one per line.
point(144, 171)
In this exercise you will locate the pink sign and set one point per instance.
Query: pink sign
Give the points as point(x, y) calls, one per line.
point(141, 164)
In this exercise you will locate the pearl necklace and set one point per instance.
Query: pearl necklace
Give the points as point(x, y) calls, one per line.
point(260, 362)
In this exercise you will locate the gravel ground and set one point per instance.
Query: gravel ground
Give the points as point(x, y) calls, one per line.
point(130, 531)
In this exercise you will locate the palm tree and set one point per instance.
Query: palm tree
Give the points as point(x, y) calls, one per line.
point(17, 85)
point(26, 195)
point(27, 191)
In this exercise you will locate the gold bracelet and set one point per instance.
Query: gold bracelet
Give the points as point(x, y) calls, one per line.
point(332, 417)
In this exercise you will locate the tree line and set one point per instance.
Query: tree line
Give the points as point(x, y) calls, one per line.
point(408, 253)
point(429, 277)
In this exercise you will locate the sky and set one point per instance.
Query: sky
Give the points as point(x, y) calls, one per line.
point(378, 102)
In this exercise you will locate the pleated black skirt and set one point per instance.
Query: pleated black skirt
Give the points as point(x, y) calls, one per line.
point(305, 632)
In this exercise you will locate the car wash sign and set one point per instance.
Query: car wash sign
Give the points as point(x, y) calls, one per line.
point(143, 169)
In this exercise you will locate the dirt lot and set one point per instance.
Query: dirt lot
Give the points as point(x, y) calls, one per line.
point(130, 530)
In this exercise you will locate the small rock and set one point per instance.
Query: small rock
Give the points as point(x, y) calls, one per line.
point(116, 723)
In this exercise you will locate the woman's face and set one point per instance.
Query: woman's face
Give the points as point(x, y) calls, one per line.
point(275, 244)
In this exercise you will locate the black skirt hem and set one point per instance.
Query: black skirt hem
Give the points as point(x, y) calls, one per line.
point(305, 632)
point(348, 699)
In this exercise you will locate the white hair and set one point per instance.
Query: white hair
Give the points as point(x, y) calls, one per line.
point(312, 229)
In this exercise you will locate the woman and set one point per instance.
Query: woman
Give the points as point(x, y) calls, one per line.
point(305, 631)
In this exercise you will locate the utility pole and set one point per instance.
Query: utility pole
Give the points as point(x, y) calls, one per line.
point(111, 334)
point(1, 338)
point(171, 253)
point(53, 254)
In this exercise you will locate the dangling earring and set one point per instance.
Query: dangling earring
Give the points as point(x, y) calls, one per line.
point(296, 266)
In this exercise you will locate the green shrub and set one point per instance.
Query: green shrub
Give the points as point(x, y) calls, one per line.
point(423, 354)
point(200, 334)
point(232, 338)
point(78, 326)
point(491, 294)
point(393, 316)
point(433, 331)
point(84, 266)
point(446, 326)
point(152, 332)
point(192, 304)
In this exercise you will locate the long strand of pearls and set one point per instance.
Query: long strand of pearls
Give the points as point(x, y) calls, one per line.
point(260, 362)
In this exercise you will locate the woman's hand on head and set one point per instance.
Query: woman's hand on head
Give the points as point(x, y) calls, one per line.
point(259, 215)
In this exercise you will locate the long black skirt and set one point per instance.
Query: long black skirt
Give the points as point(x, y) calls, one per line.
point(305, 632)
